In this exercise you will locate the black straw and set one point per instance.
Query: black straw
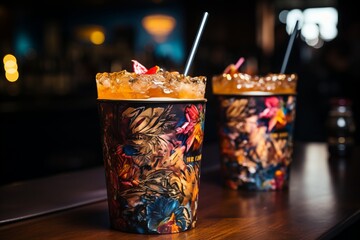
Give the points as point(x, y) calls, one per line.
point(289, 47)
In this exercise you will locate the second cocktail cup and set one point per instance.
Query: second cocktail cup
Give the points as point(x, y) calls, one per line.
point(255, 129)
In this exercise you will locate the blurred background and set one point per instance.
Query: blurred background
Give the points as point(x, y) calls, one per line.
point(51, 54)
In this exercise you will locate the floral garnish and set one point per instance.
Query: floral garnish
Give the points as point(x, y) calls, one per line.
point(140, 69)
point(153, 70)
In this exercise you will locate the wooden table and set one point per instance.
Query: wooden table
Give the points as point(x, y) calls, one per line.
point(323, 200)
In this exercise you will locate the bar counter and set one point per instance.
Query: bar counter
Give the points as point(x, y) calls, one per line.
point(323, 201)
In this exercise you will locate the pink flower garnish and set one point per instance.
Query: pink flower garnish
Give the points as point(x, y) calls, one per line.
point(153, 70)
point(138, 67)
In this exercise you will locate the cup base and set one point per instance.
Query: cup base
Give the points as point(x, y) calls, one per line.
point(271, 179)
point(139, 231)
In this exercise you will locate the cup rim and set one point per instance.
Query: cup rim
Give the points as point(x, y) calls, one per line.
point(154, 100)
point(257, 93)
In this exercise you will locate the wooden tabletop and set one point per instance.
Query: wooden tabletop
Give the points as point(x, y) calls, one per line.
point(322, 200)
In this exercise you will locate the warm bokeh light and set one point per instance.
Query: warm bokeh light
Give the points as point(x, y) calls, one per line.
point(97, 37)
point(159, 26)
point(9, 57)
point(12, 77)
point(91, 33)
point(11, 68)
point(10, 64)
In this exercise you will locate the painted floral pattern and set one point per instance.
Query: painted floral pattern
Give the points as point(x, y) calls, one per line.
point(152, 156)
point(256, 141)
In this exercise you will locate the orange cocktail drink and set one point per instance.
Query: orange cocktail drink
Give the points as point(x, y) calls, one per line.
point(159, 84)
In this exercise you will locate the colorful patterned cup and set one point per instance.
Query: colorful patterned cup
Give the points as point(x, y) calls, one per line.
point(256, 121)
point(152, 153)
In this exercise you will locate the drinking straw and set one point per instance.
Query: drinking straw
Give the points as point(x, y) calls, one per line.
point(236, 66)
point(289, 47)
point(239, 62)
point(195, 44)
